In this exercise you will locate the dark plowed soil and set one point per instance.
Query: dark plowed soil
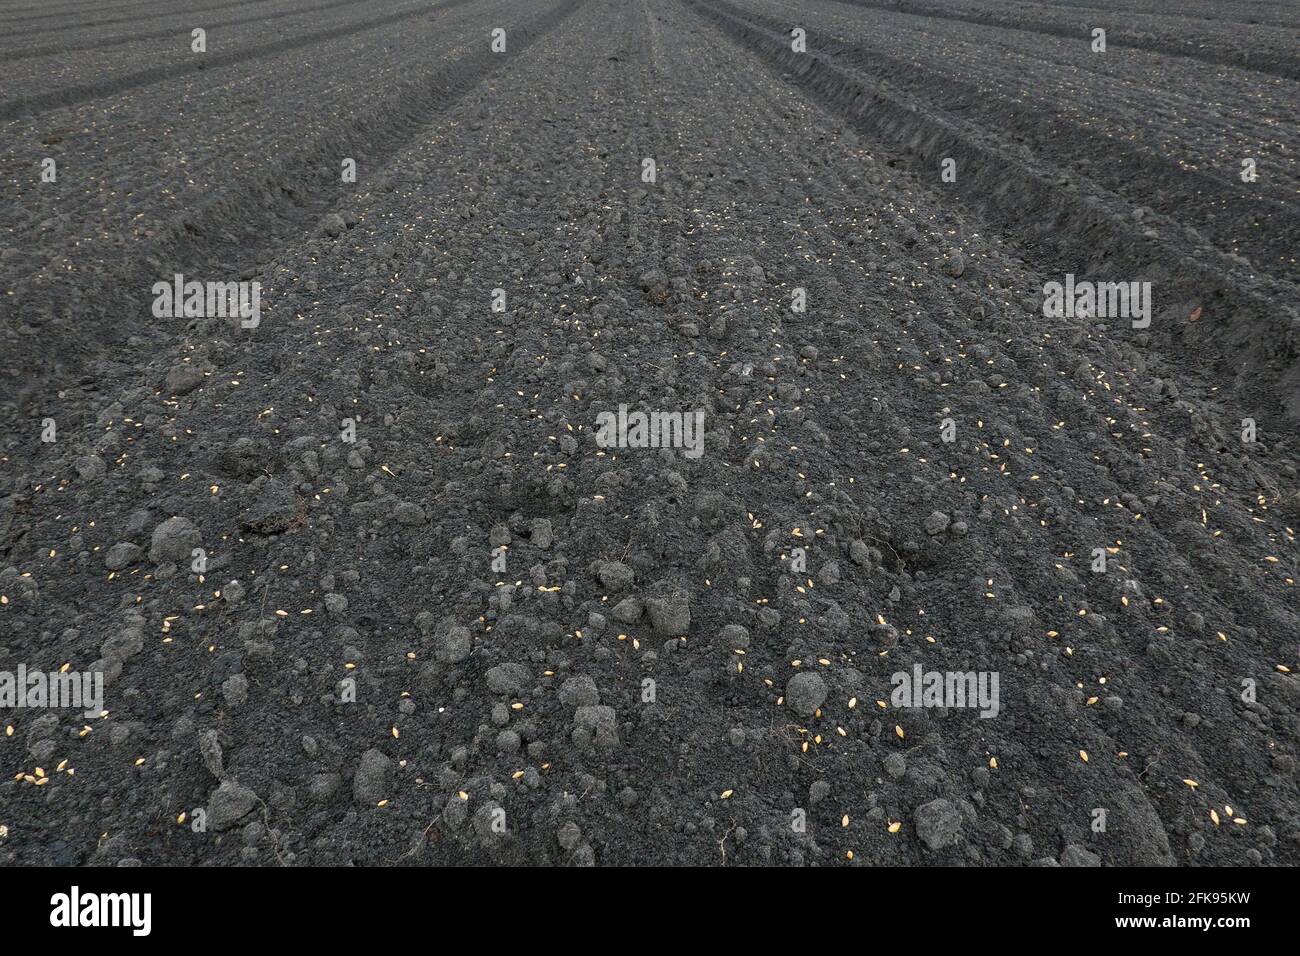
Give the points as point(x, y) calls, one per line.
point(366, 588)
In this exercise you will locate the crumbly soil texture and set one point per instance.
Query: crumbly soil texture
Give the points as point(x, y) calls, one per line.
point(365, 584)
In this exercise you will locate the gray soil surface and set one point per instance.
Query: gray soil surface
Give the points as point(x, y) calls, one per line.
point(365, 587)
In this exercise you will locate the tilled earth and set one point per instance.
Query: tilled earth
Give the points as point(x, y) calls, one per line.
point(474, 635)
